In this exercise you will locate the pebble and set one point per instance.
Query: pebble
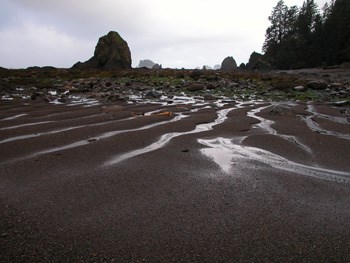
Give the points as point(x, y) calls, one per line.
point(299, 88)
point(153, 94)
point(317, 84)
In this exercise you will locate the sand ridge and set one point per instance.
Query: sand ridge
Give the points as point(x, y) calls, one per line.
point(209, 182)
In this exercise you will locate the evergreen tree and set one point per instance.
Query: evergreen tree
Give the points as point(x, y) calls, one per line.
point(306, 22)
point(282, 23)
point(299, 38)
point(309, 26)
point(279, 36)
point(337, 33)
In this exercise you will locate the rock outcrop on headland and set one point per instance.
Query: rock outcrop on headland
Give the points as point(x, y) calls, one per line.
point(111, 52)
point(257, 61)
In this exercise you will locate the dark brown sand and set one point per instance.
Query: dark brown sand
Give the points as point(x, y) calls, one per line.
point(65, 198)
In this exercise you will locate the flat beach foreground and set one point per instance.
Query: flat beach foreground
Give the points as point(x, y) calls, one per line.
point(177, 181)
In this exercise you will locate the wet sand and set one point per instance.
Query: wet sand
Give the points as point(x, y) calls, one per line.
point(237, 182)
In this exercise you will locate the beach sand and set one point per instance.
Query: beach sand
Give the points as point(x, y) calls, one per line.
point(240, 182)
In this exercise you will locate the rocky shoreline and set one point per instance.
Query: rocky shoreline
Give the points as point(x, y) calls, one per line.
point(65, 86)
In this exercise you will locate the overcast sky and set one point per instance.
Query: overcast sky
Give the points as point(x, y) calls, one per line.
point(176, 34)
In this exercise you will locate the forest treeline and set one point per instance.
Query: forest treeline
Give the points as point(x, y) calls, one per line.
point(302, 37)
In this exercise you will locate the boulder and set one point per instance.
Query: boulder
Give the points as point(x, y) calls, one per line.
point(211, 86)
point(212, 77)
point(111, 52)
point(152, 94)
point(195, 87)
point(341, 103)
point(114, 97)
point(195, 74)
point(317, 85)
point(209, 97)
point(228, 64)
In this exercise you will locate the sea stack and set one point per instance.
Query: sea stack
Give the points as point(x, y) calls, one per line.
point(112, 52)
point(228, 64)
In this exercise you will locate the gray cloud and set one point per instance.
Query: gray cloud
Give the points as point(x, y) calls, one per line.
point(182, 33)
point(86, 19)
